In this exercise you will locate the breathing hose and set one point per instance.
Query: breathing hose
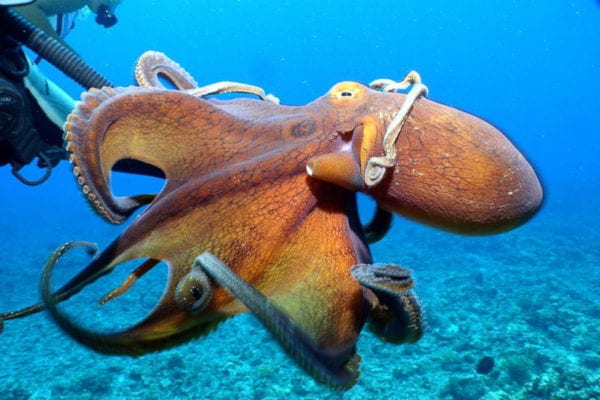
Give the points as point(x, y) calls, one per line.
point(50, 49)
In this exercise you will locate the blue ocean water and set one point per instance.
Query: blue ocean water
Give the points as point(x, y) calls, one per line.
point(529, 298)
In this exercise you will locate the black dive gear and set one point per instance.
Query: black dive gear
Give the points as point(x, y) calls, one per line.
point(20, 123)
point(63, 58)
point(40, 137)
point(20, 138)
point(25, 130)
point(12, 59)
point(105, 17)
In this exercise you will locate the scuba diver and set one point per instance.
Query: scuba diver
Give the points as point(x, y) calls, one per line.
point(33, 109)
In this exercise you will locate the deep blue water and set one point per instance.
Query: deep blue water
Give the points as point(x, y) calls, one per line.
point(530, 298)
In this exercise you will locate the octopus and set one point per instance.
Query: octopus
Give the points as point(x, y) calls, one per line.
point(258, 212)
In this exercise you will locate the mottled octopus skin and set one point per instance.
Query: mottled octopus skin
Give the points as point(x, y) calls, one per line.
point(237, 186)
point(243, 196)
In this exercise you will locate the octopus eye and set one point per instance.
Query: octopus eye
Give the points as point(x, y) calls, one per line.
point(194, 291)
point(346, 93)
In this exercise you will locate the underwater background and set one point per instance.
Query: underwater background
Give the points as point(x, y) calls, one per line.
point(529, 298)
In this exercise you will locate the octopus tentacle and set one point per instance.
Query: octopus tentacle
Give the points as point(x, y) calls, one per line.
point(233, 87)
point(376, 166)
point(84, 134)
point(23, 312)
point(95, 118)
point(118, 343)
point(387, 278)
point(153, 64)
point(92, 249)
point(129, 281)
point(390, 85)
point(337, 369)
point(397, 317)
point(381, 223)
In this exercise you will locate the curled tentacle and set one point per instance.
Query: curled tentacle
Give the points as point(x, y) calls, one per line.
point(390, 85)
point(135, 340)
point(104, 343)
point(153, 64)
point(92, 249)
point(397, 317)
point(337, 369)
point(85, 133)
point(377, 166)
point(381, 223)
point(388, 278)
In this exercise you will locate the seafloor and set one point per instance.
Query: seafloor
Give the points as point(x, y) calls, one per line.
point(529, 298)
